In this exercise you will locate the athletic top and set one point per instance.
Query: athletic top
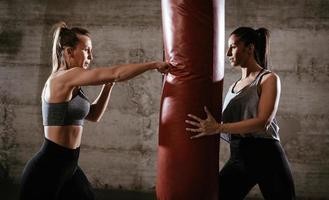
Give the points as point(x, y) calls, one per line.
point(243, 105)
point(71, 112)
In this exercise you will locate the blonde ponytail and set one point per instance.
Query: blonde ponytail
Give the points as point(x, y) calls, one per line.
point(57, 54)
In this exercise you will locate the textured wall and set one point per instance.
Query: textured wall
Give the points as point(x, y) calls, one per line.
point(120, 151)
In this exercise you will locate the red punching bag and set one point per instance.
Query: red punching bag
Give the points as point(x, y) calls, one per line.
point(193, 40)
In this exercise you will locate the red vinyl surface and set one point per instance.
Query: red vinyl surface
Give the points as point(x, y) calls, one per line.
point(188, 169)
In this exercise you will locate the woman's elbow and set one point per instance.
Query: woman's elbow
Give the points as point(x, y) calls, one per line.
point(117, 75)
point(93, 118)
point(97, 120)
point(263, 125)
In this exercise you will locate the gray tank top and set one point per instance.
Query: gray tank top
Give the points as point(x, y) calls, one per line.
point(72, 112)
point(244, 105)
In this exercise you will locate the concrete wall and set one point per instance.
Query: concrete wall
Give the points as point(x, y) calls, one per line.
point(120, 151)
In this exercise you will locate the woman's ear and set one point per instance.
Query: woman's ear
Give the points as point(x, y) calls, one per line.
point(68, 51)
point(251, 48)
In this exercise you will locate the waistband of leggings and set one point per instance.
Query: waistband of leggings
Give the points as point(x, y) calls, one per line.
point(52, 149)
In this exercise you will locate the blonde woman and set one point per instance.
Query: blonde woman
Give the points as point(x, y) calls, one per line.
point(53, 173)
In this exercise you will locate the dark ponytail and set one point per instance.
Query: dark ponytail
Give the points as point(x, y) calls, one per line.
point(262, 47)
point(259, 38)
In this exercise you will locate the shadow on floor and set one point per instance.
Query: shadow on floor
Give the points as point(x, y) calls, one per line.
point(9, 191)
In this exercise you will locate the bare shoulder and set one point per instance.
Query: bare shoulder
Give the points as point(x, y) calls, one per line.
point(270, 78)
point(74, 70)
point(65, 76)
point(60, 80)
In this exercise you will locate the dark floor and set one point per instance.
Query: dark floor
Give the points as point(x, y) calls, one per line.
point(9, 191)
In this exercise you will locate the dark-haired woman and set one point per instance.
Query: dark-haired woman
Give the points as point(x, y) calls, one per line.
point(249, 124)
point(53, 173)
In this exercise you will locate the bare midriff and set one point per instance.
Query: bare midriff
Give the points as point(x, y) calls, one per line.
point(66, 136)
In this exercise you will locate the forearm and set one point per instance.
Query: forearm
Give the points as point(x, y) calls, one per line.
point(125, 72)
point(99, 106)
point(103, 75)
point(243, 127)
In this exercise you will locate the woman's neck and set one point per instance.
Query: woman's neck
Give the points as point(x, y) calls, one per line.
point(250, 69)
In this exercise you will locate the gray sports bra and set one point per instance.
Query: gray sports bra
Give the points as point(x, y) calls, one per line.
point(72, 112)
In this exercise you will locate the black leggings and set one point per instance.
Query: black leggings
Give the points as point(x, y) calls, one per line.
point(256, 161)
point(53, 174)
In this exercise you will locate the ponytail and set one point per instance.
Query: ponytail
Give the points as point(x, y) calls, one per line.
point(57, 53)
point(262, 46)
